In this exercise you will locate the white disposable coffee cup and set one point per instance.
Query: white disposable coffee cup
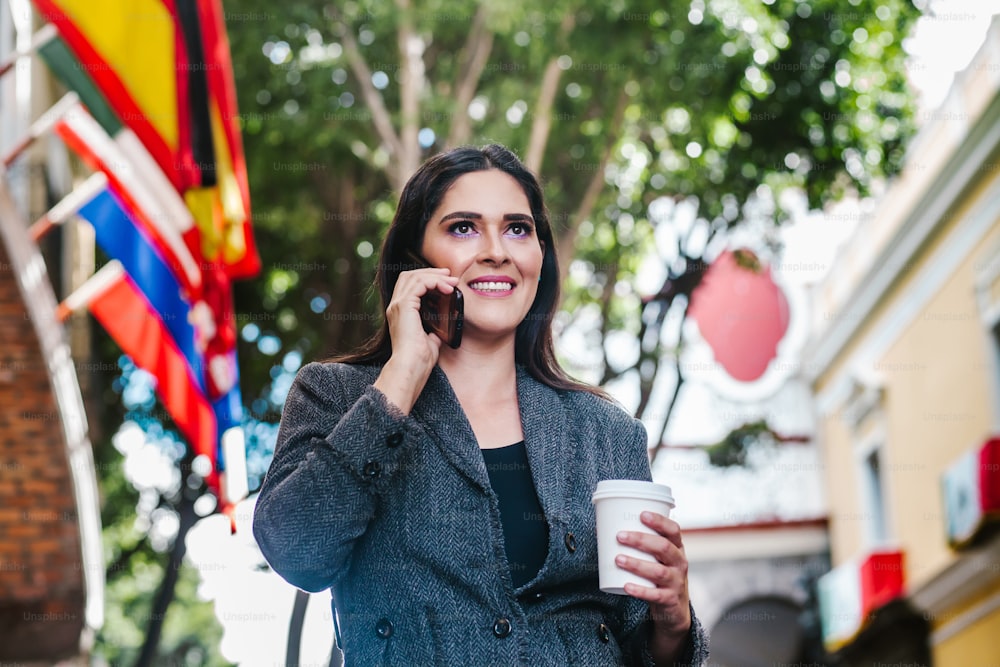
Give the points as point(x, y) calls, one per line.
point(618, 504)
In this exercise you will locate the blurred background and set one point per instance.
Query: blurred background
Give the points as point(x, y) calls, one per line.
point(779, 231)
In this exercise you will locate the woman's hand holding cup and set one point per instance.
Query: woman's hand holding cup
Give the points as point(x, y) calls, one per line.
point(641, 553)
point(668, 573)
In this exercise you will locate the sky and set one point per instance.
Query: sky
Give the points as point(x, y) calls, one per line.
point(254, 605)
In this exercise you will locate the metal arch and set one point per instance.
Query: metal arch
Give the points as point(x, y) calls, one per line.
point(39, 299)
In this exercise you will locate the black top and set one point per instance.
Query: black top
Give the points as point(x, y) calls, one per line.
point(525, 532)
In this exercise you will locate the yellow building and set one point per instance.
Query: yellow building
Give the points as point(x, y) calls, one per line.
point(905, 365)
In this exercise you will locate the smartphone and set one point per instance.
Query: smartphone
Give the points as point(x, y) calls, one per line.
point(441, 314)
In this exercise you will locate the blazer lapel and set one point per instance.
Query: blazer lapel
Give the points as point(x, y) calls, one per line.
point(441, 416)
point(543, 420)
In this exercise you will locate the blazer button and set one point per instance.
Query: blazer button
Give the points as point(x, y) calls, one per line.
point(501, 628)
point(603, 633)
point(570, 541)
point(394, 440)
point(372, 469)
point(383, 628)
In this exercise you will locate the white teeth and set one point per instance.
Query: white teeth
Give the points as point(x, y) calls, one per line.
point(488, 286)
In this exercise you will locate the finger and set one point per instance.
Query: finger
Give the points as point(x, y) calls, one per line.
point(666, 585)
point(421, 282)
point(657, 573)
point(428, 275)
point(439, 269)
point(668, 601)
point(659, 547)
point(448, 285)
point(669, 528)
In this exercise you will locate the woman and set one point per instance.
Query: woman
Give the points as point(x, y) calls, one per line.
point(444, 494)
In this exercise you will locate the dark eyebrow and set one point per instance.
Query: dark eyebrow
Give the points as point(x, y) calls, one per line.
point(467, 215)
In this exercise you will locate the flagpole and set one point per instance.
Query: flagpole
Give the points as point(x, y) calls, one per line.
point(94, 286)
point(38, 40)
point(69, 205)
point(42, 125)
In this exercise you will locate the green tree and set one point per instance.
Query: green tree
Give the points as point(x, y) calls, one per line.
point(635, 114)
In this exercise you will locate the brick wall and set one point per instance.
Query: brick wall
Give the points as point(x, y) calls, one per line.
point(41, 573)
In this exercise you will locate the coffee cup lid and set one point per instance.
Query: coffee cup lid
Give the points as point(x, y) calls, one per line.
point(633, 488)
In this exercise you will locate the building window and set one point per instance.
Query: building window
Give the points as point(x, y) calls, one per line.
point(864, 414)
point(875, 514)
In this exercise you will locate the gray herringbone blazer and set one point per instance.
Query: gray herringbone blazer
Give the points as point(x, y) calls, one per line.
point(396, 515)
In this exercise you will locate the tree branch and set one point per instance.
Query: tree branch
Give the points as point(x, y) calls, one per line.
point(606, 296)
point(373, 99)
point(652, 355)
point(543, 116)
point(411, 82)
point(475, 53)
point(567, 236)
point(165, 594)
point(660, 443)
point(543, 107)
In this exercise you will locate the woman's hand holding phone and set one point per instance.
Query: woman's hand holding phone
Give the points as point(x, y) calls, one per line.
point(441, 313)
point(414, 351)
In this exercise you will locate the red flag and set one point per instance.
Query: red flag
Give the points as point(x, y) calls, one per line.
point(221, 204)
point(239, 249)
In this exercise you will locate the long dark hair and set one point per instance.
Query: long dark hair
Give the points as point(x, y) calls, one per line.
point(533, 346)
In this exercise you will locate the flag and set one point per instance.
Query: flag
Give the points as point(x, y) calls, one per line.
point(122, 309)
point(221, 204)
point(162, 213)
point(157, 77)
point(134, 153)
point(198, 100)
point(232, 456)
point(119, 236)
point(159, 211)
point(152, 295)
point(205, 283)
point(137, 57)
point(238, 247)
point(194, 296)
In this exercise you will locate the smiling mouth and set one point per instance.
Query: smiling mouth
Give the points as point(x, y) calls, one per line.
point(492, 286)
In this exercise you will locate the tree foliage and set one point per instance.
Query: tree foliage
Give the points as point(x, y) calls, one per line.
point(630, 112)
point(733, 449)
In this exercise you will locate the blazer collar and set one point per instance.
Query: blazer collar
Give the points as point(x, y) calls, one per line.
point(543, 421)
point(441, 415)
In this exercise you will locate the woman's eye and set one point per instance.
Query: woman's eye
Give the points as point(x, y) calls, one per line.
point(462, 228)
point(520, 229)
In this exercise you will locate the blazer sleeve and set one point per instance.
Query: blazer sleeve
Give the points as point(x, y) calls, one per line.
point(636, 622)
point(340, 443)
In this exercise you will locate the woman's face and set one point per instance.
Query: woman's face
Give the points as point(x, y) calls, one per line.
point(484, 232)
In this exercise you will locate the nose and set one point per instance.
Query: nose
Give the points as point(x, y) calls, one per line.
point(494, 250)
